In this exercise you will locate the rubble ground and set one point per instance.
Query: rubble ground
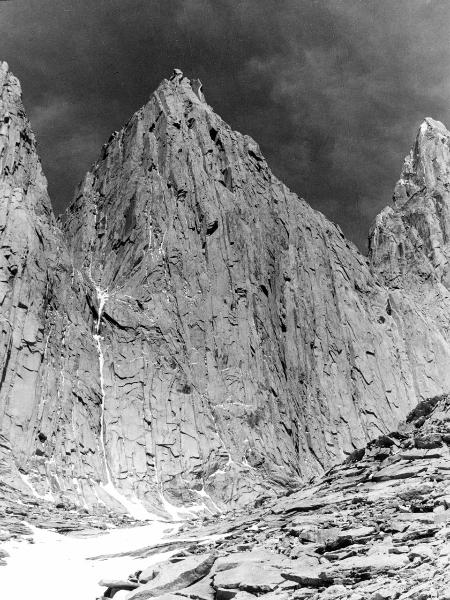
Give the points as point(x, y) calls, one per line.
point(375, 527)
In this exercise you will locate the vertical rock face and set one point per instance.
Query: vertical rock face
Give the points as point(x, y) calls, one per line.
point(409, 251)
point(244, 339)
point(410, 240)
point(28, 250)
point(197, 335)
point(50, 393)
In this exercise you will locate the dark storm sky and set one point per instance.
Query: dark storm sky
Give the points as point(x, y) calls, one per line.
point(333, 90)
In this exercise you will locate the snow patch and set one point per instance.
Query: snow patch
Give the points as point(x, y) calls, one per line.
point(26, 479)
point(203, 494)
point(424, 127)
point(102, 297)
point(135, 508)
point(56, 565)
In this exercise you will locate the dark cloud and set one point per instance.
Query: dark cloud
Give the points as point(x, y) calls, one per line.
point(332, 90)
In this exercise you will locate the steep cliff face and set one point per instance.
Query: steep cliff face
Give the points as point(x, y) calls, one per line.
point(410, 240)
point(244, 339)
point(197, 335)
point(409, 248)
point(50, 397)
point(29, 249)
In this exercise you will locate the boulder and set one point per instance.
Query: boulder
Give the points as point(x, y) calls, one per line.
point(253, 577)
point(360, 567)
point(202, 590)
point(115, 585)
point(308, 577)
point(176, 576)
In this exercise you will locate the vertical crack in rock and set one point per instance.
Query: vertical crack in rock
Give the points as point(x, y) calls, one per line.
point(132, 506)
point(102, 296)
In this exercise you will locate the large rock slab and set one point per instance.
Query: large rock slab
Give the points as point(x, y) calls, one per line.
point(308, 577)
point(202, 590)
point(257, 555)
point(250, 577)
point(175, 576)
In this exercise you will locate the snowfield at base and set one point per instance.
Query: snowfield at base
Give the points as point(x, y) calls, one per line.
point(55, 566)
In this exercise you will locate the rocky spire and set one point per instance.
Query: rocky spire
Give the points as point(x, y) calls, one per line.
point(426, 169)
point(19, 163)
point(411, 239)
point(46, 414)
